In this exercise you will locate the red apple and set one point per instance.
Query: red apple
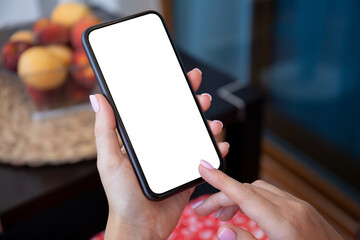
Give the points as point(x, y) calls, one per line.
point(82, 72)
point(11, 52)
point(52, 33)
point(79, 27)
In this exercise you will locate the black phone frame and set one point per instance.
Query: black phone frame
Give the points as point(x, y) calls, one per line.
point(120, 126)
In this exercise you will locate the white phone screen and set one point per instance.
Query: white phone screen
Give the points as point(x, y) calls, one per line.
point(154, 101)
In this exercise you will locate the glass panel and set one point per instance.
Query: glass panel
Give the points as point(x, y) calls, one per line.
point(216, 32)
point(315, 76)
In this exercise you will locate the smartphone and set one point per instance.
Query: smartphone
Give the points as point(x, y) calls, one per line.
point(158, 117)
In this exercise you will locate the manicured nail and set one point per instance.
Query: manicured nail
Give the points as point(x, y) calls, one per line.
point(228, 144)
point(217, 214)
point(94, 103)
point(227, 234)
point(199, 70)
point(123, 150)
point(206, 94)
point(195, 205)
point(206, 164)
point(222, 125)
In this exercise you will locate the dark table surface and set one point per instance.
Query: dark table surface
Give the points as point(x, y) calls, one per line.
point(25, 191)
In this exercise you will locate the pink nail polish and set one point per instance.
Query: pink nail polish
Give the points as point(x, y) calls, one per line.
point(218, 212)
point(227, 234)
point(206, 94)
point(206, 164)
point(94, 103)
point(199, 71)
point(222, 125)
point(195, 205)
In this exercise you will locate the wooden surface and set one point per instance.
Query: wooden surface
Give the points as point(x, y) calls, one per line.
point(279, 167)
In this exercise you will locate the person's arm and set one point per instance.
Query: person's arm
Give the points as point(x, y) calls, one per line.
point(131, 214)
point(117, 228)
point(279, 214)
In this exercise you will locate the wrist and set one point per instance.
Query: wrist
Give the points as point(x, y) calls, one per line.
point(118, 228)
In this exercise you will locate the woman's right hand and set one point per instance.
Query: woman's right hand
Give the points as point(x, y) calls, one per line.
point(279, 214)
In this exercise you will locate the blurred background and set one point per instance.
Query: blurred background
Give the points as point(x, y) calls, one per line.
point(303, 56)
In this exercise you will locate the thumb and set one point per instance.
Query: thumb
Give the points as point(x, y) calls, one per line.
point(231, 232)
point(107, 141)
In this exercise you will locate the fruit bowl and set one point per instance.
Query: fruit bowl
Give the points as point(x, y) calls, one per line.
point(31, 118)
point(70, 97)
point(47, 61)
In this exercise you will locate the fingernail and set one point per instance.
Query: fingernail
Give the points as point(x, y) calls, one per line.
point(228, 144)
point(227, 234)
point(195, 205)
point(218, 212)
point(199, 70)
point(222, 125)
point(204, 94)
point(94, 103)
point(206, 164)
point(123, 150)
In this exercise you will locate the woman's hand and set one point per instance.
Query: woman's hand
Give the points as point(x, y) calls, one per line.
point(279, 214)
point(131, 214)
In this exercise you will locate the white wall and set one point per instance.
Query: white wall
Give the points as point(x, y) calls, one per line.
point(20, 11)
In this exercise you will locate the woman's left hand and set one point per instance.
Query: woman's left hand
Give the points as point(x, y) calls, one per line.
point(131, 214)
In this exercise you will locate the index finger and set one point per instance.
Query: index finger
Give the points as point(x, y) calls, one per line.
point(248, 199)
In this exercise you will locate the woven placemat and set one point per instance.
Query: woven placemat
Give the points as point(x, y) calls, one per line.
point(24, 141)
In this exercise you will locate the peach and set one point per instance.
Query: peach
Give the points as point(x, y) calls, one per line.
point(40, 24)
point(11, 52)
point(39, 69)
point(63, 52)
point(23, 36)
point(79, 27)
point(52, 33)
point(82, 72)
point(69, 13)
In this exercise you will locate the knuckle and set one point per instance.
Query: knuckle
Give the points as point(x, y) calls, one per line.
point(299, 204)
point(304, 207)
point(97, 131)
point(300, 209)
point(248, 190)
point(100, 131)
point(222, 178)
point(258, 182)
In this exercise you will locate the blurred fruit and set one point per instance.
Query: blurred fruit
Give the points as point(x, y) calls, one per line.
point(11, 52)
point(82, 72)
point(41, 97)
point(79, 27)
point(45, 69)
point(42, 22)
point(22, 36)
point(52, 33)
point(76, 92)
point(69, 13)
point(40, 69)
point(63, 52)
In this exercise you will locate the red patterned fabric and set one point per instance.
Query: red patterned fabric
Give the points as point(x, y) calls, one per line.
point(194, 227)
